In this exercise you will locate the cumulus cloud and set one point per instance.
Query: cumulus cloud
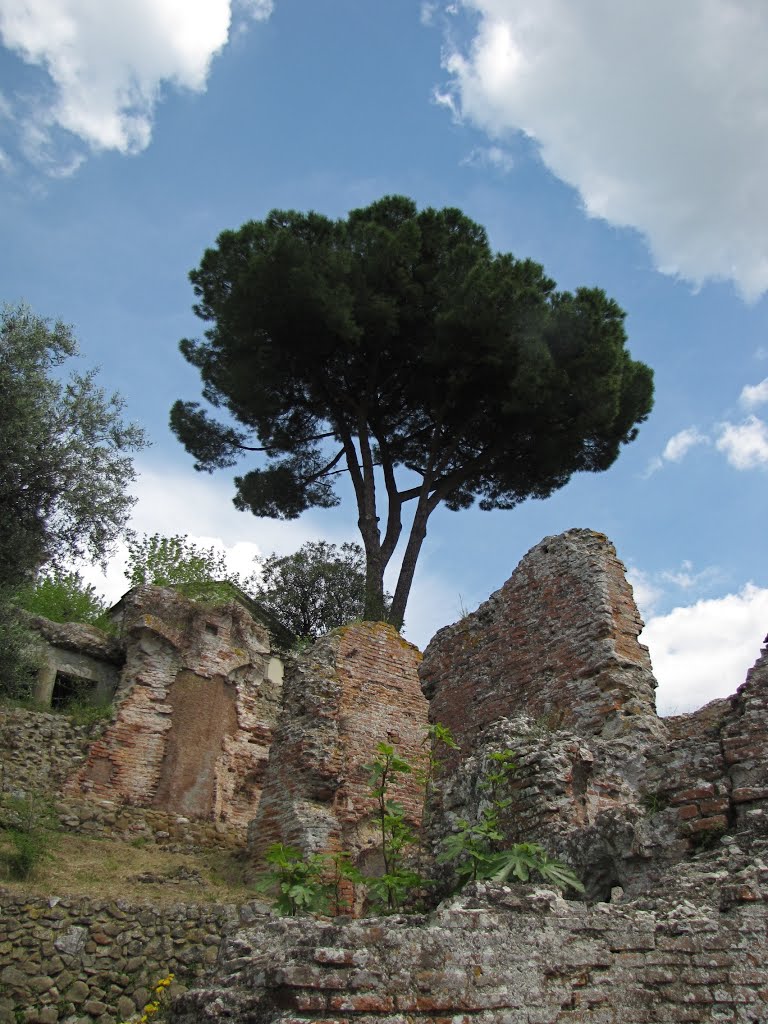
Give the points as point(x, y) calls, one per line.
point(677, 447)
point(704, 651)
point(655, 112)
point(754, 394)
point(171, 501)
point(107, 63)
point(647, 593)
point(745, 445)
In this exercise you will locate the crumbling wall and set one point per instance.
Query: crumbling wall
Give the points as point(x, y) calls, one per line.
point(197, 704)
point(352, 690)
point(550, 668)
point(77, 650)
point(696, 951)
point(558, 643)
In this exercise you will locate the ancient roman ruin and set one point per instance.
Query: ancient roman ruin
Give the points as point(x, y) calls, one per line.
point(218, 736)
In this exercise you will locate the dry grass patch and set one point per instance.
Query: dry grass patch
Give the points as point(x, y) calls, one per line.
point(109, 869)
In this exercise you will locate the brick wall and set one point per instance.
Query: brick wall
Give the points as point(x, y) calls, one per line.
point(558, 643)
point(196, 708)
point(511, 956)
point(352, 690)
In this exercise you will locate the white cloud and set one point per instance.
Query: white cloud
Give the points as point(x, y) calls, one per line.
point(427, 12)
point(172, 501)
point(688, 579)
point(754, 394)
point(108, 62)
point(495, 157)
point(745, 445)
point(646, 592)
point(654, 111)
point(681, 443)
point(704, 651)
point(676, 448)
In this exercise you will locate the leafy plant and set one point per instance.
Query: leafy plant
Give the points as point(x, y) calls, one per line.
point(524, 859)
point(62, 596)
point(197, 571)
point(340, 869)
point(296, 882)
point(391, 888)
point(438, 736)
point(475, 849)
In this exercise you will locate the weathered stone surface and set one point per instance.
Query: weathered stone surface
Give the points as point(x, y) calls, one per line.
point(197, 702)
point(352, 690)
point(76, 636)
point(666, 819)
point(558, 643)
point(102, 976)
point(507, 956)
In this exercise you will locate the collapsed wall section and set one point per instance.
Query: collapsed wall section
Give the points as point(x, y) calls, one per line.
point(558, 643)
point(352, 690)
point(197, 702)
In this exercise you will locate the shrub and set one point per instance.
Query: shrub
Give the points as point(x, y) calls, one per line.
point(62, 597)
point(30, 824)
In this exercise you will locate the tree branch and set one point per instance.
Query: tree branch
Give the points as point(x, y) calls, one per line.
point(325, 470)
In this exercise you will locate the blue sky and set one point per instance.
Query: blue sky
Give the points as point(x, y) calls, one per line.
point(621, 145)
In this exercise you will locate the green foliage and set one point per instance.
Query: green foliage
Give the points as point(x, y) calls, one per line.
point(317, 588)
point(525, 859)
point(197, 571)
point(396, 836)
point(396, 340)
point(65, 465)
point(19, 661)
point(655, 802)
point(62, 596)
point(29, 823)
point(296, 882)
point(88, 712)
point(338, 870)
point(479, 851)
point(65, 469)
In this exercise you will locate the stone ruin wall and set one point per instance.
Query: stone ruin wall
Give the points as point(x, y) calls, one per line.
point(196, 706)
point(665, 820)
point(354, 689)
point(558, 643)
point(602, 782)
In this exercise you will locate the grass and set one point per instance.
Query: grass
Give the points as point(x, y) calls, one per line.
point(106, 869)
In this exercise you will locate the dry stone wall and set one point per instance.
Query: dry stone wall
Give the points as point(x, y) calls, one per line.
point(196, 706)
point(41, 750)
point(95, 962)
point(352, 690)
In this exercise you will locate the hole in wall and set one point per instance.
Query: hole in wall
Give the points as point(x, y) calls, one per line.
point(69, 689)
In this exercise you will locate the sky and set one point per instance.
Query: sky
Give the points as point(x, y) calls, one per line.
point(622, 146)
